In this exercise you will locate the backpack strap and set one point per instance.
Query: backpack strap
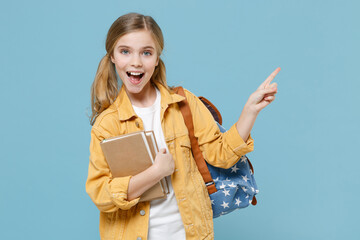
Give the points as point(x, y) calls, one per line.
point(199, 158)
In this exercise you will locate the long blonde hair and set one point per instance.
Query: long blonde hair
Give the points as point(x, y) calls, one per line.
point(104, 89)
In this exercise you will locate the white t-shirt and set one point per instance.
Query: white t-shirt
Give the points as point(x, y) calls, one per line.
point(165, 220)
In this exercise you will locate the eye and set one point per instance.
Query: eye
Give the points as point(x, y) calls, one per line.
point(147, 53)
point(124, 51)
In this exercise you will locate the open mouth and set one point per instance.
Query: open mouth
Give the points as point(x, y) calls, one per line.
point(135, 75)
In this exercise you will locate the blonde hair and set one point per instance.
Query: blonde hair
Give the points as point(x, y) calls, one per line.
point(104, 89)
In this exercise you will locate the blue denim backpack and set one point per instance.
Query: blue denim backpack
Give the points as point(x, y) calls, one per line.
point(229, 189)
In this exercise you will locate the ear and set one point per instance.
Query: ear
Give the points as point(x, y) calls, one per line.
point(157, 61)
point(112, 59)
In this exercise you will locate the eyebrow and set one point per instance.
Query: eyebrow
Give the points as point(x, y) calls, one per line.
point(146, 47)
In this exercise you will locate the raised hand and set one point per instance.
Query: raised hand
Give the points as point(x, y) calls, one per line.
point(264, 95)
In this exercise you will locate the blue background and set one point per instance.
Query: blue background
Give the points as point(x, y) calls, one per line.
point(305, 159)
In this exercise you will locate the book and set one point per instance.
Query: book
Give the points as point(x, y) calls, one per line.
point(132, 153)
point(154, 150)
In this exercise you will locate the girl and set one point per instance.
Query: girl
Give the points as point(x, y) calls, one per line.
point(145, 102)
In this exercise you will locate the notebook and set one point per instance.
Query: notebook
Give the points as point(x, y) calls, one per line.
point(132, 153)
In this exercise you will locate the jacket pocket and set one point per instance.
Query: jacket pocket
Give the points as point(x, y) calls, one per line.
point(185, 147)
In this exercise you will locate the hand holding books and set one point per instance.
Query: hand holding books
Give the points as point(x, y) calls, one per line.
point(135, 154)
point(164, 163)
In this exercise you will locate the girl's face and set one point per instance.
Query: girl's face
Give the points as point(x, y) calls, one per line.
point(135, 59)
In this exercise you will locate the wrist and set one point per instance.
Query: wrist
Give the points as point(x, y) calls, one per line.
point(156, 171)
point(250, 110)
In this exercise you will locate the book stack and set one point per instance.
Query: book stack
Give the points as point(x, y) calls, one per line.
point(132, 153)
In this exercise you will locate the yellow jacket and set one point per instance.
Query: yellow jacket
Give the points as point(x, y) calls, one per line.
point(123, 219)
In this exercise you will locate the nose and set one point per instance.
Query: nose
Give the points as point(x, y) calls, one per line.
point(136, 61)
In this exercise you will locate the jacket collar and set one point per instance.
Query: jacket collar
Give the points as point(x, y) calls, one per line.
point(124, 107)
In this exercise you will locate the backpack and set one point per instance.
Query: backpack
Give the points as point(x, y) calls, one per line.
point(229, 189)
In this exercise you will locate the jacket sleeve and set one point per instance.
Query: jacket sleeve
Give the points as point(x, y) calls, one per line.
point(219, 149)
point(109, 194)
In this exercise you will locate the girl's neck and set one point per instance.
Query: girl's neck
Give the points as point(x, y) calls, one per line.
point(145, 98)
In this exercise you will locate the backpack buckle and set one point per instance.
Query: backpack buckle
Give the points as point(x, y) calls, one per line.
point(209, 183)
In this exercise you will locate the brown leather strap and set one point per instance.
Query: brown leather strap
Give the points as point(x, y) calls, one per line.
point(254, 201)
point(199, 158)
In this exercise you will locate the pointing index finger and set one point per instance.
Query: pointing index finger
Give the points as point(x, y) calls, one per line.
point(266, 83)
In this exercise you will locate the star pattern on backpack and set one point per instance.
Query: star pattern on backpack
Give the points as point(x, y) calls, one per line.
point(245, 178)
point(226, 192)
point(234, 168)
point(225, 205)
point(235, 186)
point(238, 201)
